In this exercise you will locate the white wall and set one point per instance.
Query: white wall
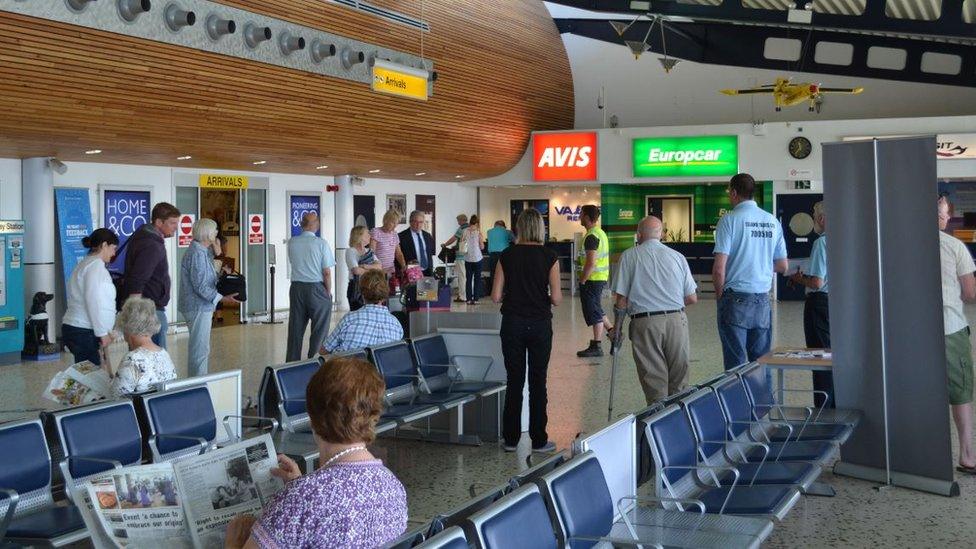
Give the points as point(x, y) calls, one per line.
point(765, 157)
point(10, 189)
point(451, 199)
point(495, 205)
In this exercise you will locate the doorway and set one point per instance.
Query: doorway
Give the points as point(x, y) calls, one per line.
point(542, 206)
point(239, 207)
point(676, 212)
point(224, 207)
point(795, 214)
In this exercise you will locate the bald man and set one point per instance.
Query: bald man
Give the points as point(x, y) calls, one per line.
point(310, 294)
point(653, 286)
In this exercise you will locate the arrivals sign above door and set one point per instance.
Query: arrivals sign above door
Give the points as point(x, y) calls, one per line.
point(564, 156)
point(212, 181)
point(686, 156)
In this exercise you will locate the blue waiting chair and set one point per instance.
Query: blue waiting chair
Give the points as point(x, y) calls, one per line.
point(29, 514)
point(680, 474)
point(459, 515)
point(716, 447)
point(520, 520)
point(452, 538)
point(96, 438)
point(580, 504)
point(441, 372)
point(394, 363)
point(743, 419)
point(182, 422)
point(766, 404)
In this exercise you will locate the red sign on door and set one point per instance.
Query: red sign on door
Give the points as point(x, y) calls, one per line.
point(184, 234)
point(255, 230)
point(564, 156)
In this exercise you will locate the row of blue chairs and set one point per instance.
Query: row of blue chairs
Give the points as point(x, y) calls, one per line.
point(423, 382)
point(727, 459)
point(61, 449)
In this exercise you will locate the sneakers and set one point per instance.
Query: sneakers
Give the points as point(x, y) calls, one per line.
point(546, 448)
point(594, 350)
point(510, 448)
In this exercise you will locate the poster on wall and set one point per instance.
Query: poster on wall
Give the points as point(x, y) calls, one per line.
point(123, 212)
point(364, 210)
point(398, 202)
point(74, 224)
point(299, 205)
point(427, 203)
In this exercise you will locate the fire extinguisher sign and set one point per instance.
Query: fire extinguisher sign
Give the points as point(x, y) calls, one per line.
point(255, 229)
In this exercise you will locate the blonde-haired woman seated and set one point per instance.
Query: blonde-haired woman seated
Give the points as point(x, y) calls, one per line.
point(352, 500)
point(359, 259)
point(146, 363)
point(386, 243)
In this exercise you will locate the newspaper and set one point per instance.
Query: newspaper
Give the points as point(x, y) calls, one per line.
point(80, 383)
point(224, 483)
point(184, 504)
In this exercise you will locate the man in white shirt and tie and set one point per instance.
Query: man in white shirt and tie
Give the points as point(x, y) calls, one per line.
point(417, 244)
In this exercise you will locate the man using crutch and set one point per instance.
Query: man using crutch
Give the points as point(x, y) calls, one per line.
point(653, 286)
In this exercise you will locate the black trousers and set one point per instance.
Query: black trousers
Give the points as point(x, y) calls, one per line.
point(526, 341)
point(816, 329)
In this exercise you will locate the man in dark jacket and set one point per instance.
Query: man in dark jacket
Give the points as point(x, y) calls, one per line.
point(417, 244)
point(146, 266)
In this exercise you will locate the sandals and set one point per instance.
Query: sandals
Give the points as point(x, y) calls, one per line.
point(964, 469)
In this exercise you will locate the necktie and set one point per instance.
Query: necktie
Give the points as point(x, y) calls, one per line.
point(423, 251)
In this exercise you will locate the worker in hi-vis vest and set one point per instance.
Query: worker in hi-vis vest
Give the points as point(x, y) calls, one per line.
point(593, 273)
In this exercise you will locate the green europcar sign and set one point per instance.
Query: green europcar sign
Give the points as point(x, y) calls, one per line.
point(686, 156)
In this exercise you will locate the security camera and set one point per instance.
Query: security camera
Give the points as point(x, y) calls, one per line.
point(57, 166)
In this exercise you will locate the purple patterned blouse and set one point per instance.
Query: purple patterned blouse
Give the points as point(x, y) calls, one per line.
point(356, 504)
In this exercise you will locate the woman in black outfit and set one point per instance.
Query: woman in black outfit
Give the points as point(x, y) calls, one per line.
point(527, 285)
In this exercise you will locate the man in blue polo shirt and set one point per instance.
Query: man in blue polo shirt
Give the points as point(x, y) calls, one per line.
point(310, 294)
point(749, 248)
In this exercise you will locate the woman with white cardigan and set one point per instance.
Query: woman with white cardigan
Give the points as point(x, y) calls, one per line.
point(87, 324)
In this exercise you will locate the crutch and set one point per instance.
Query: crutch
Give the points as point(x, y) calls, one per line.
point(619, 316)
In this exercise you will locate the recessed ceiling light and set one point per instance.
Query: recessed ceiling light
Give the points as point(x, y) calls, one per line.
point(94, 151)
point(259, 162)
point(187, 157)
point(458, 176)
point(374, 171)
point(420, 173)
point(320, 167)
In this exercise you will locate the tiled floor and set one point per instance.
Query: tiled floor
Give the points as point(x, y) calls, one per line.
point(439, 477)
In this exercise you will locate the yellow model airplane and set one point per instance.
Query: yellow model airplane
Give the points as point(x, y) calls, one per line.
point(787, 94)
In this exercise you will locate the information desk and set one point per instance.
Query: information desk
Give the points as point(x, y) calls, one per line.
point(787, 358)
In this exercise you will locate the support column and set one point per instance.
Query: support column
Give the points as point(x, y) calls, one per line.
point(343, 224)
point(39, 236)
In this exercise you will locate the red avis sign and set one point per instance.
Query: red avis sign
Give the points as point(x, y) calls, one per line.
point(564, 156)
point(185, 231)
point(255, 231)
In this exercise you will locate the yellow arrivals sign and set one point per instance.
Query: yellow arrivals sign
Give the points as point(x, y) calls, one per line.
point(210, 181)
point(399, 80)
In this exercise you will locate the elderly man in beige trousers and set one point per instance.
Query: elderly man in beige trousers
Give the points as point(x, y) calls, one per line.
point(653, 286)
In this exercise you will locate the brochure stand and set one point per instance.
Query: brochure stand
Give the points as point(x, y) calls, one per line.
point(886, 311)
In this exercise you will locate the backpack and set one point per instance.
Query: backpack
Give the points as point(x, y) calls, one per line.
point(118, 278)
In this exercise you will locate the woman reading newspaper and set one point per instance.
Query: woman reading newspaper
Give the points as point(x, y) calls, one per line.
point(352, 500)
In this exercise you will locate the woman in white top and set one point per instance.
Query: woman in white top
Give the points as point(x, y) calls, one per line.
point(473, 255)
point(359, 259)
point(87, 324)
point(146, 363)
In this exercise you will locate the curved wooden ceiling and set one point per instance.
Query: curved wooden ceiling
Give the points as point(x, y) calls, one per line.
point(503, 72)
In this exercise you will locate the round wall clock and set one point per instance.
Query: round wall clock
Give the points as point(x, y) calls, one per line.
point(800, 148)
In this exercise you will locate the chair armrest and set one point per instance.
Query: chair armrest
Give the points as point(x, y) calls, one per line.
point(260, 419)
point(202, 442)
point(482, 358)
point(615, 542)
point(766, 422)
point(116, 464)
point(657, 499)
point(735, 478)
point(12, 499)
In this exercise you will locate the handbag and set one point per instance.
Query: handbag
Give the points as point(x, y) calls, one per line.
point(233, 283)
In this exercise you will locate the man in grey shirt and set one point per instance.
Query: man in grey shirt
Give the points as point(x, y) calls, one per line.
point(653, 285)
point(310, 295)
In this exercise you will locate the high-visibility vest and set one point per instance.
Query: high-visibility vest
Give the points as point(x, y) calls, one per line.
point(601, 271)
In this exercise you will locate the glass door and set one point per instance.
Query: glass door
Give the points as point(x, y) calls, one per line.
point(255, 203)
point(188, 202)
